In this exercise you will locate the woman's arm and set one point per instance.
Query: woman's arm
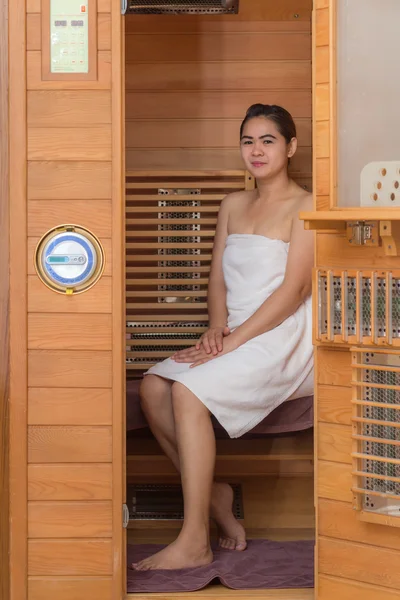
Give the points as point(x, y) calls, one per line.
point(295, 288)
point(216, 297)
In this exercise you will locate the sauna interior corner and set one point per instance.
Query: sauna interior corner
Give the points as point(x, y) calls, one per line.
point(78, 146)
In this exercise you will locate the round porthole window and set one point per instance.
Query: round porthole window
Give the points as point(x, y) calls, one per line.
point(69, 259)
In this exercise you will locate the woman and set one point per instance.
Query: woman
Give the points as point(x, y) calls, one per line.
point(257, 352)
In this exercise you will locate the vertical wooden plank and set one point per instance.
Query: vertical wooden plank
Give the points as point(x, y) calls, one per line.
point(18, 301)
point(118, 295)
point(4, 292)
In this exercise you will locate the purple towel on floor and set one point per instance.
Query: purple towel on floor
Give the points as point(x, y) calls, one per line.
point(265, 564)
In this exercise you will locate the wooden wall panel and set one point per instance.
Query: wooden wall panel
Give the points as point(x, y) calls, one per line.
point(72, 107)
point(355, 560)
point(70, 557)
point(64, 444)
point(69, 332)
point(90, 519)
point(72, 406)
point(185, 102)
point(70, 482)
point(68, 588)
point(74, 388)
point(331, 588)
point(4, 307)
point(59, 368)
point(96, 300)
point(45, 214)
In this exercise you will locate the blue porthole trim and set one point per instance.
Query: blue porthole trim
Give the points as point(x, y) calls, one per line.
point(74, 280)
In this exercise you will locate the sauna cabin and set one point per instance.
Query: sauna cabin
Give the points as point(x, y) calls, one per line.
point(119, 136)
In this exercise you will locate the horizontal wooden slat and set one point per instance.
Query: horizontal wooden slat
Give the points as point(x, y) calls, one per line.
point(139, 24)
point(210, 47)
point(217, 75)
point(46, 214)
point(105, 242)
point(203, 104)
point(156, 258)
point(199, 183)
point(69, 588)
point(65, 180)
point(334, 404)
point(333, 250)
point(70, 557)
point(34, 31)
point(143, 222)
point(331, 588)
point(64, 444)
point(177, 246)
point(59, 368)
point(368, 564)
point(69, 108)
point(196, 133)
point(92, 519)
point(155, 329)
point(151, 233)
point(43, 300)
point(69, 332)
point(334, 481)
point(70, 482)
point(334, 367)
point(169, 281)
point(70, 143)
point(210, 208)
point(146, 270)
point(339, 520)
point(35, 81)
point(334, 442)
point(204, 158)
point(164, 306)
point(69, 406)
point(169, 318)
point(160, 294)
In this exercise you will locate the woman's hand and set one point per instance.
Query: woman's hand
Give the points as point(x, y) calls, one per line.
point(211, 340)
point(200, 356)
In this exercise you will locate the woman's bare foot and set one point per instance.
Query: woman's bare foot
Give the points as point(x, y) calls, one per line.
point(232, 535)
point(178, 555)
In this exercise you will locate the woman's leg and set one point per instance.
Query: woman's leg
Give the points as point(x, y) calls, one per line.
point(196, 448)
point(156, 395)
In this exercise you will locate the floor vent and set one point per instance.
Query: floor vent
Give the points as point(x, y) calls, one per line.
point(160, 502)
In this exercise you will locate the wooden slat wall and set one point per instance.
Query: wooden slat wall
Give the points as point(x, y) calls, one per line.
point(74, 345)
point(190, 79)
point(355, 560)
point(169, 240)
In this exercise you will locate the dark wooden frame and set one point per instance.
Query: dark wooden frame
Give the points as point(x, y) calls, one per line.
point(4, 304)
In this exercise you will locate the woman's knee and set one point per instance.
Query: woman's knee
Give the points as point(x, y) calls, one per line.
point(184, 400)
point(153, 391)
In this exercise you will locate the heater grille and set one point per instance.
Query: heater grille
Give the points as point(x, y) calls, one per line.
point(361, 307)
point(376, 434)
point(165, 501)
point(175, 7)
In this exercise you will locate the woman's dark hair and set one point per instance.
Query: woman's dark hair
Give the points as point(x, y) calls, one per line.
point(281, 117)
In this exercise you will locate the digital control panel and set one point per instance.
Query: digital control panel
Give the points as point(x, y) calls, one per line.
point(69, 51)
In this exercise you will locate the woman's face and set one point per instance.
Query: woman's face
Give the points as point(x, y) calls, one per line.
point(264, 150)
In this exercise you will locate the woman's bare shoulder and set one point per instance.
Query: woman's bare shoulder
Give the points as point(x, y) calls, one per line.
point(237, 199)
point(303, 199)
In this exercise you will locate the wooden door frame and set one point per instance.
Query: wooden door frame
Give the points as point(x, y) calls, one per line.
point(4, 303)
